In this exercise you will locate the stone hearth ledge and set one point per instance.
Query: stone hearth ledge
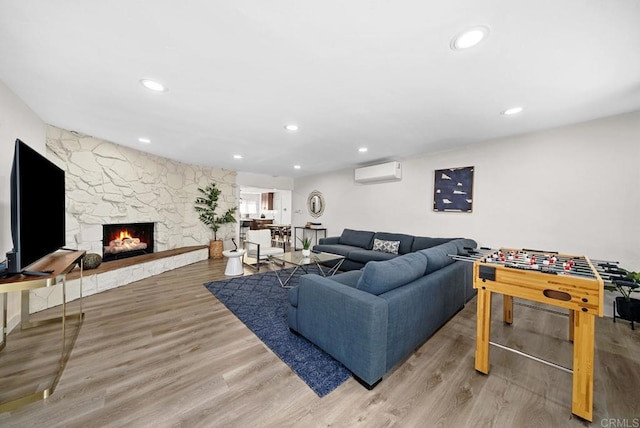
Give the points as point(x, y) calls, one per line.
point(115, 274)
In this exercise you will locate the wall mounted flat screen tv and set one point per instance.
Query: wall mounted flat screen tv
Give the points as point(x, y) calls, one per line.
point(37, 208)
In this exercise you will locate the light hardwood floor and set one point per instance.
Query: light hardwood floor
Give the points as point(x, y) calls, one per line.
point(164, 352)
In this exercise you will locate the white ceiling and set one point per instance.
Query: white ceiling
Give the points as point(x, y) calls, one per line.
point(351, 73)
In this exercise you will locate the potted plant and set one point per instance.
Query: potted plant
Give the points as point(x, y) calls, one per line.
point(306, 246)
point(627, 307)
point(206, 206)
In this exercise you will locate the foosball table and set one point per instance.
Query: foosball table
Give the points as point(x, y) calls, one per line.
point(566, 281)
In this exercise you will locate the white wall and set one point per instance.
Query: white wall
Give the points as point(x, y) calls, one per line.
point(17, 120)
point(572, 189)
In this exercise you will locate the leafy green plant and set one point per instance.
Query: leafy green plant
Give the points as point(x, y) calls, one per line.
point(630, 284)
point(306, 242)
point(206, 206)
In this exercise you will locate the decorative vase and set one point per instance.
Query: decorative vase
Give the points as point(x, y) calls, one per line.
point(215, 249)
point(306, 253)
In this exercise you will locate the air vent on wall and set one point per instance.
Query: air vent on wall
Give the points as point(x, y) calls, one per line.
point(382, 172)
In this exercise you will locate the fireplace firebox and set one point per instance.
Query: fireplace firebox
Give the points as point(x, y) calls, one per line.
point(124, 240)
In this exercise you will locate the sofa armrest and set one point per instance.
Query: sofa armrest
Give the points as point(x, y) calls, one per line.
point(329, 240)
point(347, 323)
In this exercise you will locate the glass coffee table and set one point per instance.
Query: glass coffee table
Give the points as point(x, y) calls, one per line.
point(296, 258)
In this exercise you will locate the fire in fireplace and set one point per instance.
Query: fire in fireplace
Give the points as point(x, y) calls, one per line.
point(126, 240)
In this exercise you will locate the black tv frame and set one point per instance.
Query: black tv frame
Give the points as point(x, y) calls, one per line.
point(37, 209)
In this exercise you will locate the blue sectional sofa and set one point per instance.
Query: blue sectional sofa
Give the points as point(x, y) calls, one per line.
point(359, 246)
point(372, 319)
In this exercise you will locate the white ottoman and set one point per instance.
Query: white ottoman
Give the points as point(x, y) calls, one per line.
point(234, 262)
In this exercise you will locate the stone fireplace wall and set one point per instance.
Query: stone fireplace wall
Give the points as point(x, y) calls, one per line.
point(109, 183)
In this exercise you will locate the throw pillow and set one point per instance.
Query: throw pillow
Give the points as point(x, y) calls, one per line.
point(391, 247)
point(406, 241)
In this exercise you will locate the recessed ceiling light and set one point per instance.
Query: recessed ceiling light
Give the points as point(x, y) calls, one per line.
point(469, 38)
point(297, 167)
point(144, 140)
point(362, 149)
point(237, 156)
point(153, 85)
point(291, 127)
point(513, 110)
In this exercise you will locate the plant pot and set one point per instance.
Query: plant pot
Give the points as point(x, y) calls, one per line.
point(628, 309)
point(306, 253)
point(215, 249)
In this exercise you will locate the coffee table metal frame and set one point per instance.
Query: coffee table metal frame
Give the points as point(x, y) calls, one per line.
point(296, 258)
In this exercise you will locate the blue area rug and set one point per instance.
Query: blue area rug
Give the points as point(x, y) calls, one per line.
point(261, 304)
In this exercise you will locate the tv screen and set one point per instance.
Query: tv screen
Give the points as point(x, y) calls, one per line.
point(37, 208)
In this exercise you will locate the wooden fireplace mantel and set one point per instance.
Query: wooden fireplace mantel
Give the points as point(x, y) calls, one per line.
point(131, 261)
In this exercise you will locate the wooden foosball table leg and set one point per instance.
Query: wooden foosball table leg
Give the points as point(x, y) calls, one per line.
point(571, 320)
point(507, 309)
point(582, 400)
point(483, 330)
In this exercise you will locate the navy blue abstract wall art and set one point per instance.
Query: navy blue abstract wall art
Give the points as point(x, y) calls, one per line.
point(453, 189)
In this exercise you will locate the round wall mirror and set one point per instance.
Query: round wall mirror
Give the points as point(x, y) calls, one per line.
point(315, 203)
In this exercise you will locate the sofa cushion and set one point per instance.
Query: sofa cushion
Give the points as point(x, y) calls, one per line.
point(348, 278)
point(364, 256)
point(357, 238)
point(342, 250)
point(423, 242)
point(380, 277)
point(392, 247)
point(438, 256)
point(406, 241)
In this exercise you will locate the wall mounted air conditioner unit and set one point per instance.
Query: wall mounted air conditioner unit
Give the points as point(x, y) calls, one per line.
point(382, 172)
